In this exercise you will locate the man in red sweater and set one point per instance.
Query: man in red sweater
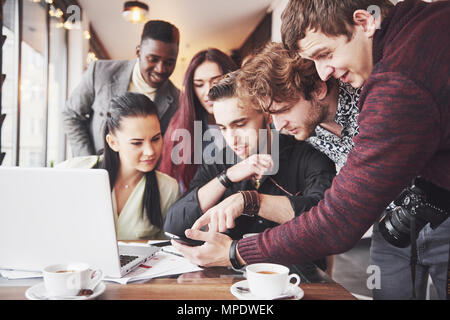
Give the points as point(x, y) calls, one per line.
point(401, 55)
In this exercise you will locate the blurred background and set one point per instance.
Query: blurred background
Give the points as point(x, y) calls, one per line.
point(47, 45)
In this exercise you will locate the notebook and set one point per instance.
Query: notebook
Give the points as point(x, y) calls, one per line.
point(50, 215)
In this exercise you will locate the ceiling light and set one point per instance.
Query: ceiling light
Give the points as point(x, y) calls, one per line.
point(91, 56)
point(135, 11)
point(87, 35)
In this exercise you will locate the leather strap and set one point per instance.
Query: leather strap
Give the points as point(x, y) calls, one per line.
point(224, 180)
point(251, 202)
point(234, 261)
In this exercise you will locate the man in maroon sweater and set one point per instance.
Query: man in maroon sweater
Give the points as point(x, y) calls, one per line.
point(401, 55)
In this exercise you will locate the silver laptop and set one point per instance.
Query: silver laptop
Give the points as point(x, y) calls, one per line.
point(52, 216)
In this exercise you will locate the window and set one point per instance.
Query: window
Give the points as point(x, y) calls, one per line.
point(32, 132)
point(57, 92)
point(33, 86)
point(9, 63)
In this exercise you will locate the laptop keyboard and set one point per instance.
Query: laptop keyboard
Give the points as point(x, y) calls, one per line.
point(124, 259)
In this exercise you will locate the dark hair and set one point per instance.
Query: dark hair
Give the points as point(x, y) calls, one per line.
point(190, 109)
point(225, 88)
point(162, 31)
point(132, 105)
point(274, 75)
point(331, 17)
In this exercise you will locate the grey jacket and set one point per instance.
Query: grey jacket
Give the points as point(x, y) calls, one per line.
point(84, 114)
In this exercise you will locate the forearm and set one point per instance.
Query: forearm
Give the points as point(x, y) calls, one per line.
point(210, 194)
point(275, 208)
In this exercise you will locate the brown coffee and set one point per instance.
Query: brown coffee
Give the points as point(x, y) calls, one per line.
point(64, 271)
point(267, 272)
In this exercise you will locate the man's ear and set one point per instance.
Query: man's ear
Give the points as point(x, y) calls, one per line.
point(112, 142)
point(321, 91)
point(138, 51)
point(364, 19)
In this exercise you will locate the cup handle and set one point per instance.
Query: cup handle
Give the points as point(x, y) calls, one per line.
point(297, 279)
point(95, 278)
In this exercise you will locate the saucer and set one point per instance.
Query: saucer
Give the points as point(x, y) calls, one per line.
point(292, 290)
point(38, 292)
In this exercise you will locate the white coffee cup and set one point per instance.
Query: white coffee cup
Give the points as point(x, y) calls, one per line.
point(67, 279)
point(269, 280)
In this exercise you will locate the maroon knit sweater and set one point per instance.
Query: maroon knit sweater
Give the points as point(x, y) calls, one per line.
point(404, 127)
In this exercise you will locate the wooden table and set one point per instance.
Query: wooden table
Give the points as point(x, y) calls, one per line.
point(209, 284)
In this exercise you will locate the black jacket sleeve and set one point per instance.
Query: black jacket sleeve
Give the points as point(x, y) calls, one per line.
point(184, 212)
point(316, 172)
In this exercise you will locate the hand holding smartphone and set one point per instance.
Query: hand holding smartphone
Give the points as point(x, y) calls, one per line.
point(184, 240)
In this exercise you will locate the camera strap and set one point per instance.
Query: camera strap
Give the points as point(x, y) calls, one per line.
point(413, 259)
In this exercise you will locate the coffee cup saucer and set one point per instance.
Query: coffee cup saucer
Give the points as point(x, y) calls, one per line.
point(38, 292)
point(293, 292)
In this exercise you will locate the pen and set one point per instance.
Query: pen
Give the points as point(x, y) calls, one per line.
point(170, 252)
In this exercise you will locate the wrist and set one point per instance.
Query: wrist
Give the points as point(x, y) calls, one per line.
point(252, 202)
point(239, 258)
point(224, 179)
point(230, 174)
point(236, 260)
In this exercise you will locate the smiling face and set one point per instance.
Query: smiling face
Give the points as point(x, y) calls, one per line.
point(138, 142)
point(157, 60)
point(205, 76)
point(239, 126)
point(349, 60)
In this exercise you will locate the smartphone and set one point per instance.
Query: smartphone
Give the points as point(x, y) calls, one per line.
point(185, 240)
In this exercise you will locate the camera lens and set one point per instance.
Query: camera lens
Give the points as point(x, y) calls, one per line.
point(395, 227)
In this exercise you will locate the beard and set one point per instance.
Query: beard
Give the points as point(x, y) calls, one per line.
point(316, 115)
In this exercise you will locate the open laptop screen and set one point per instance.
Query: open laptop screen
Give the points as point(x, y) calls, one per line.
point(56, 215)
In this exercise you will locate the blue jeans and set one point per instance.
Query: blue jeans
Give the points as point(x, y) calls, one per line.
point(395, 269)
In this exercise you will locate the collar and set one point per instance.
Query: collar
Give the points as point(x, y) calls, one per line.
point(139, 82)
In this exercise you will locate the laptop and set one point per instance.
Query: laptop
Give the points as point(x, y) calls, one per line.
point(50, 215)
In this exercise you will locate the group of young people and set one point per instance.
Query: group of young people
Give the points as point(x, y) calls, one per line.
point(256, 149)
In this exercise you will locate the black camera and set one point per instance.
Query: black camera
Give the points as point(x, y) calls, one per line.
point(422, 202)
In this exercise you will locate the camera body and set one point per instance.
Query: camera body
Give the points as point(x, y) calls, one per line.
point(422, 201)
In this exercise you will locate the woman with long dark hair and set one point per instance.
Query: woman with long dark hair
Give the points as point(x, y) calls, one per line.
point(133, 145)
point(204, 70)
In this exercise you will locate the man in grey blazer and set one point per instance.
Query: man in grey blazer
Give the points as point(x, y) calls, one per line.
point(85, 111)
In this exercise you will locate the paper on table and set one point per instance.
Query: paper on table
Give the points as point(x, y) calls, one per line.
point(15, 274)
point(162, 264)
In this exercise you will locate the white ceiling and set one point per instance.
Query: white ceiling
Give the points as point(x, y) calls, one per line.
point(223, 24)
